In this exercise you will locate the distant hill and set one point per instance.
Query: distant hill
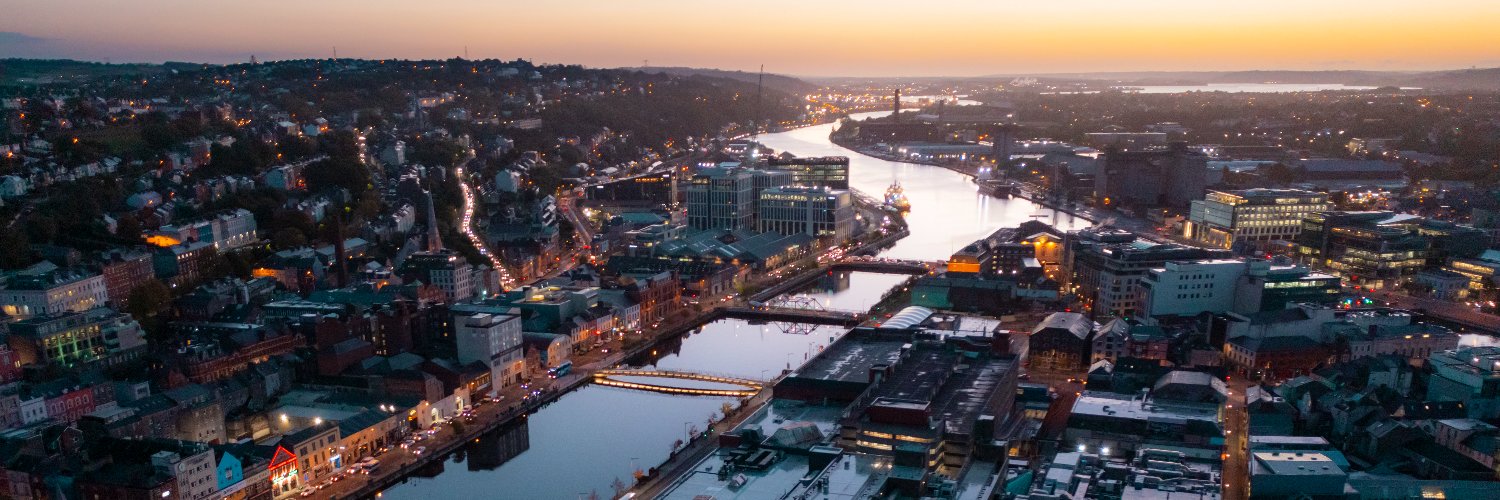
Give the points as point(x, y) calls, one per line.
point(43, 71)
point(773, 81)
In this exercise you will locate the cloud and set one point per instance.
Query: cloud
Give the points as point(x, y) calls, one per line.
point(14, 37)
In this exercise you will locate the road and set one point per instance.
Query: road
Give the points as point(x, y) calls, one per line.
point(1236, 472)
point(1441, 309)
point(468, 225)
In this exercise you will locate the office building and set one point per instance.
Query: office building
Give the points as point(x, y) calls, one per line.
point(830, 172)
point(1293, 474)
point(495, 341)
point(1186, 288)
point(1105, 268)
point(1253, 217)
point(812, 211)
point(1382, 249)
point(721, 198)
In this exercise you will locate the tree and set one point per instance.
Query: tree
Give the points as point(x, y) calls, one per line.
point(148, 299)
point(288, 238)
point(15, 250)
point(333, 173)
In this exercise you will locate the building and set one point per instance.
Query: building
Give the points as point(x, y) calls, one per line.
point(1483, 272)
point(1106, 274)
point(651, 188)
point(1124, 424)
point(830, 172)
point(812, 211)
point(1172, 177)
point(1276, 357)
point(1062, 342)
point(185, 264)
point(317, 450)
point(495, 341)
point(1186, 288)
point(1443, 284)
point(1470, 375)
point(444, 269)
point(75, 338)
point(1382, 249)
point(226, 231)
point(124, 270)
point(1293, 474)
point(721, 198)
point(941, 402)
point(1250, 218)
point(53, 292)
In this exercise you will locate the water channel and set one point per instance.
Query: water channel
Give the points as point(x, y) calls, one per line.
point(589, 438)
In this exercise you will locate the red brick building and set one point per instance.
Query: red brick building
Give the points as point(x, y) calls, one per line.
point(124, 270)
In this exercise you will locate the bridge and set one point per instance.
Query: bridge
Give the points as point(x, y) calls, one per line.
point(825, 317)
point(609, 378)
point(890, 266)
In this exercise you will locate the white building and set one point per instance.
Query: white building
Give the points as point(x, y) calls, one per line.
point(53, 293)
point(226, 231)
point(196, 473)
point(492, 339)
point(1252, 217)
point(1187, 288)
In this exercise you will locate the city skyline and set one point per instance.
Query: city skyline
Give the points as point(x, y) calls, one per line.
point(831, 39)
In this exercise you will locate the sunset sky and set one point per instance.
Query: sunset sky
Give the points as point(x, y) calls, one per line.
point(799, 37)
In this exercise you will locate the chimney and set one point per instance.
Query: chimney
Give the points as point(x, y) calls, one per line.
point(896, 109)
point(338, 250)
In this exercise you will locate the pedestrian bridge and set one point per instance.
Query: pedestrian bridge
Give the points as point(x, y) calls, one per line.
point(611, 378)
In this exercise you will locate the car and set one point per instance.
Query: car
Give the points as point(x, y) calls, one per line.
point(307, 492)
point(421, 450)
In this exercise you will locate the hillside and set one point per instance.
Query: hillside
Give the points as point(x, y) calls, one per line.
point(772, 81)
point(43, 71)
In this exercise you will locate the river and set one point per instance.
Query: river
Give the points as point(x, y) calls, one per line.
point(589, 438)
point(947, 210)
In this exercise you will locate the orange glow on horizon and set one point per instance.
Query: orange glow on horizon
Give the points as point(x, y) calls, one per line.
point(834, 37)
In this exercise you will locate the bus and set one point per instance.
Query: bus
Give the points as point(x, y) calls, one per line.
point(560, 370)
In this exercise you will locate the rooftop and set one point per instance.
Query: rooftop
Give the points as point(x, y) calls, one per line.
point(1293, 463)
point(851, 357)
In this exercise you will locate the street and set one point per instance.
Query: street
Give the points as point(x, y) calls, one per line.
point(1236, 472)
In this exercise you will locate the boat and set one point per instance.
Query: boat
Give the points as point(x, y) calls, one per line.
point(895, 198)
point(998, 189)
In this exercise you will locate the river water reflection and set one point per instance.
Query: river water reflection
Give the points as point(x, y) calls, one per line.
point(589, 438)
